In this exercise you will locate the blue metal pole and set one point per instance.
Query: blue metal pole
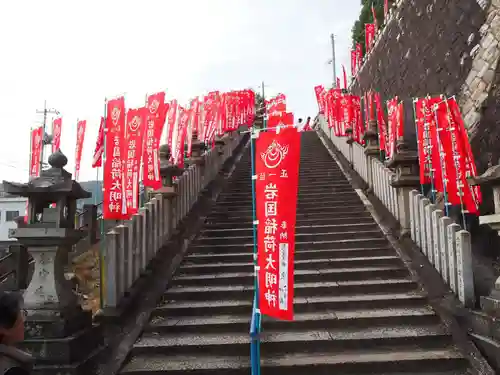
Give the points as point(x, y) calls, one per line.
point(256, 321)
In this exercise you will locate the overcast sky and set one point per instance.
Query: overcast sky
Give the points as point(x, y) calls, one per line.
point(74, 54)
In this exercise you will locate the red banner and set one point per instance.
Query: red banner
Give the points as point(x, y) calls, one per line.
point(277, 167)
point(99, 147)
point(180, 138)
point(382, 127)
point(114, 206)
point(171, 121)
point(369, 36)
point(454, 160)
point(354, 65)
point(80, 137)
point(359, 56)
point(155, 121)
point(136, 121)
point(392, 114)
point(36, 152)
point(56, 134)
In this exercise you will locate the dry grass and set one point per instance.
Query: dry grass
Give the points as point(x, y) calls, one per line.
point(86, 271)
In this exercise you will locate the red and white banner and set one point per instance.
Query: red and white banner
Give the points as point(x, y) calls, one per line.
point(392, 127)
point(180, 137)
point(134, 132)
point(114, 205)
point(369, 36)
point(36, 152)
point(80, 137)
point(457, 162)
point(354, 65)
point(359, 56)
point(154, 127)
point(99, 146)
point(277, 169)
point(56, 134)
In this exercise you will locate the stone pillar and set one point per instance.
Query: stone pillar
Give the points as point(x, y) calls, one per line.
point(372, 150)
point(349, 141)
point(406, 179)
point(491, 178)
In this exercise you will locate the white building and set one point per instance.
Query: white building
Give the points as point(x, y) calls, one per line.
point(10, 208)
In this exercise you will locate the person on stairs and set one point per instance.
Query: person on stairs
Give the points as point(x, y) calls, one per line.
point(13, 361)
point(299, 125)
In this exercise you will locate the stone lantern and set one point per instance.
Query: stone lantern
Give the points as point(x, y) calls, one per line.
point(168, 171)
point(49, 234)
point(220, 141)
point(197, 147)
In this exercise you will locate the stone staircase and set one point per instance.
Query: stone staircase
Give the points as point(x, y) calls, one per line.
point(357, 309)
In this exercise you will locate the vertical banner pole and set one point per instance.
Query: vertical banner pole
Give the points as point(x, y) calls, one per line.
point(444, 174)
point(102, 248)
point(255, 322)
point(416, 133)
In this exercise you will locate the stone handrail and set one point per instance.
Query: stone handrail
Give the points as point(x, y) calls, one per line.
point(444, 243)
point(130, 246)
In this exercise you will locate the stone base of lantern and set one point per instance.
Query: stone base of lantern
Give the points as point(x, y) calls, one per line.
point(61, 344)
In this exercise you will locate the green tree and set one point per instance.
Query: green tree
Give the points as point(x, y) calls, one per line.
point(366, 16)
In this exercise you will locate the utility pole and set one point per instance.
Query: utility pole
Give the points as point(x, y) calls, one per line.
point(46, 140)
point(264, 109)
point(333, 61)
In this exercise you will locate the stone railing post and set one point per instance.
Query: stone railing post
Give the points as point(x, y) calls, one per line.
point(405, 179)
point(372, 150)
point(491, 178)
point(405, 164)
point(90, 222)
point(349, 141)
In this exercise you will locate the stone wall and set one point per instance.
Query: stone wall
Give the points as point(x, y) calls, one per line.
point(424, 49)
point(480, 96)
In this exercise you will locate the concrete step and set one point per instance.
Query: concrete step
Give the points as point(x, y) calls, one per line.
point(220, 213)
point(389, 361)
point(300, 264)
point(299, 246)
point(318, 220)
point(335, 340)
point(343, 200)
point(361, 226)
point(301, 275)
point(301, 304)
point(303, 196)
point(304, 289)
point(207, 258)
point(300, 237)
point(309, 320)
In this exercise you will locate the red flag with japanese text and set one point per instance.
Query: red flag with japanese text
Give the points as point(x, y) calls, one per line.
point(369, 36)
point(36, 152)
point(454, 160)
point(80, 137)
point(382, 126)
point(114, 205)
point(470, 164)
point(155, 120)
point(359, 56)
point(99, 146)
point(134, 140)
point(392, 126)
point(56, 134)
point(354, 65)
point(277, 169)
